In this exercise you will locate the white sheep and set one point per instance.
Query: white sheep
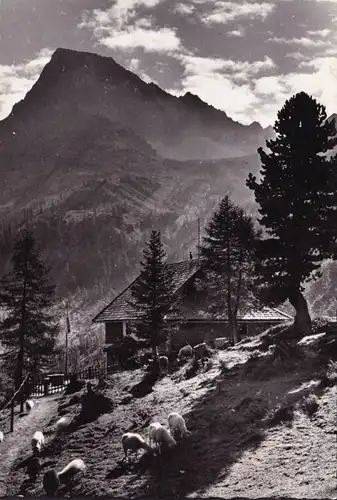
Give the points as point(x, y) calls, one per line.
point(2, 436)
point(62, 424)
point(177, 423)
point(200, 350)
point(163, 363)
point(159, 435)
point(37, 442)
point(70, 470)
point(29, 405)
point(52, 479)
point(134, 442)
point(185, 352)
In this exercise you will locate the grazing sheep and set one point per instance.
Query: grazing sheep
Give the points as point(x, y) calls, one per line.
point(2, 436)
point(37, 442)
point(177, 423)
point(163, 363)
point(221, 343)
point(159, 435)
point(62, 424)
point(134, 442)
point(185, 352)
point(29, 405)
point(33, 468)
point(51, 482)
point(70, 470)
point(200, 350)
point(52, 479)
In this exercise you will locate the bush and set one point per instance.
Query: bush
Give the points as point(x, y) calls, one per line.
point(281, 414)
point(93, 405)
point(332, 370)
point(309, 405)
point(74, 385)
point(127, 353)
point(145, 386)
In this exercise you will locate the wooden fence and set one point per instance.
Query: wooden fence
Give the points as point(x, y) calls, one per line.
point(45, 386)
point(56, 383)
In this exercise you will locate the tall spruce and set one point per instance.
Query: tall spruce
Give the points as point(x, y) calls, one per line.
point(28, 331)
point(152, 293)
point(297, 198)
point(228, 256)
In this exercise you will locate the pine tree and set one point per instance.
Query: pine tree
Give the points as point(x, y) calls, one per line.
point(228, 253)
point(28, 332)
point(297, 202)
point(152, 293)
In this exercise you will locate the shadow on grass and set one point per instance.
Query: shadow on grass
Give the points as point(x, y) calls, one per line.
point(230, 420)
point(135, 466)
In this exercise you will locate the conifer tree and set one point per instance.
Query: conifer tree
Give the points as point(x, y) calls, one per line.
point(152, 293)
point(28, 332)
point(297, 203)
point(228, 253)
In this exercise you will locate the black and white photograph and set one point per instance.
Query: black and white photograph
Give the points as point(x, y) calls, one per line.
point(168, 249)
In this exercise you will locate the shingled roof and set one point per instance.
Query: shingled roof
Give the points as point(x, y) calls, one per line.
point(264, 314)
point(120, 309)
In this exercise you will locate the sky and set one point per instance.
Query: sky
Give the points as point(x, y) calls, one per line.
point(245, 57)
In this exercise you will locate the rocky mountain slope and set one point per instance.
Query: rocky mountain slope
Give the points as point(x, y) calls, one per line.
point(75, 86)
point(94, 158)
point(83, 158)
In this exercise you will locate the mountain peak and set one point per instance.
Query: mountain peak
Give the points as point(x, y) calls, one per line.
point(76, 85)
point(255, 125)
point(194, 100)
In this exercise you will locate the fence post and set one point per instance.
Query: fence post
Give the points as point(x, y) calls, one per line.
point(46, 386)
point(12, 415)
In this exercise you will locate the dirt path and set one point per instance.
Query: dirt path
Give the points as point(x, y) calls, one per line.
point(20, 439)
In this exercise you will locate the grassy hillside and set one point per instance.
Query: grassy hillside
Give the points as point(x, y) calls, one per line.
point(260, 427)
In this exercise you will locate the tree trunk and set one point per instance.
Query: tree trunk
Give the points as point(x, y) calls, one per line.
point(22, 331)
point(302, 323)
point(21, 360)
point(235, 332)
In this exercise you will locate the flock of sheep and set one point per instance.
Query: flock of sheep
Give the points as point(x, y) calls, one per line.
point(51, 479)
point(131, 442)
point(158, 434)
point(199, 351)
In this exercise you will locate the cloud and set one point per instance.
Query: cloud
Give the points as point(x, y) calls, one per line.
point(121, 13)
point(322, 85)
point(183, 8)
point(161, 40)
point(298, 56)
point(194, 65)
point(258, 96)
point(303, 41)
point(237, 32)
point(323, 33)
point(119, 28)
point(215, 80)
point(17, 80)
point(225, 12)
point(133, 64)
